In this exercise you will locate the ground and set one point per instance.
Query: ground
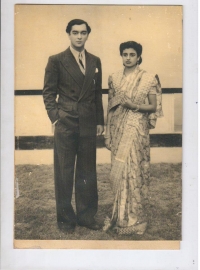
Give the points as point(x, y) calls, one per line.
point(35, 216)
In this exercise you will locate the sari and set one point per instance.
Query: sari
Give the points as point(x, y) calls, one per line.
point(130, 149)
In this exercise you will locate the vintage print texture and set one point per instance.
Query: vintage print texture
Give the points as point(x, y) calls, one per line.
point(39, 34)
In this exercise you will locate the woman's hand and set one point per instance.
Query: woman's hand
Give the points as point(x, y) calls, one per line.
point(107, 143)
point(126, 102)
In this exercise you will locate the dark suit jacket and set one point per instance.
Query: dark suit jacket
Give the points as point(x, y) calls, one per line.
point(79, 104)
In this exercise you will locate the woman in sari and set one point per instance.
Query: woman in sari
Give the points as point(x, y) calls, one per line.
point(134, 103)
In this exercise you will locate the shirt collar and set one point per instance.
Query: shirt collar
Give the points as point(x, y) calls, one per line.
point(76, 53)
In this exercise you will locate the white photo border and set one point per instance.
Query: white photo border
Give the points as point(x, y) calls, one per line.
point(186, 257)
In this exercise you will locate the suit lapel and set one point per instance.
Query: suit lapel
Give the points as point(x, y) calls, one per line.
point(89, 73)
point(70, 64)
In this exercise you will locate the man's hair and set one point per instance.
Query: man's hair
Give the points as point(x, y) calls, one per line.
point(134, 45)
point(77, 22)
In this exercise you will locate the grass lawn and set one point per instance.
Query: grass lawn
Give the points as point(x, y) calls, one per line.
point(35, 214)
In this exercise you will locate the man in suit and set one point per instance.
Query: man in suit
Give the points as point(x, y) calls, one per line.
point(73, 100)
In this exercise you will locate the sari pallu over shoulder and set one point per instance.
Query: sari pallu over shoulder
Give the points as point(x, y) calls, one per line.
point(159, 113)
point(117, 90)
point(119, 87)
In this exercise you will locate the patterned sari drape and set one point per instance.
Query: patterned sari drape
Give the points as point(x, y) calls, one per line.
point(130, 151)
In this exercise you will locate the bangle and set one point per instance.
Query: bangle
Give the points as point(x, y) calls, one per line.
point(106, 137)
point(137, 108)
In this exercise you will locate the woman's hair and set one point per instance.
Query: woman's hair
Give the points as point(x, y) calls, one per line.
point(77, 22)
point(134, 45)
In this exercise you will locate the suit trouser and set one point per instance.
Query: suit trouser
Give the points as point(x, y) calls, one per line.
point(75, 156)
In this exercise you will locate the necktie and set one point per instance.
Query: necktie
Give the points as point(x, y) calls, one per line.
point(81, 63)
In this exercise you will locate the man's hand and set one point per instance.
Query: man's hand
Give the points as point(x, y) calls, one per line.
point(107, 143)
point(53, 126)
point(100, 130)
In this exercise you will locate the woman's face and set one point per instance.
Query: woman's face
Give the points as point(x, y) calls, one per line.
point(129, 57)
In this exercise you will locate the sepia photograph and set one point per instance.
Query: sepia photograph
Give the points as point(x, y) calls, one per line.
point(99, 135)
point(98, 126)
point(86, 166)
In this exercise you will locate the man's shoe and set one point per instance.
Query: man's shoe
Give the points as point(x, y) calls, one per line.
point(92, 226)
point(66, 227)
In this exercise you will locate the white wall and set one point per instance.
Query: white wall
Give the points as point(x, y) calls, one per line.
point(40, 32)
point(31, 118)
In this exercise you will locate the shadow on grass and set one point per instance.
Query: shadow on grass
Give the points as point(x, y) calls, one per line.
point(35, 216)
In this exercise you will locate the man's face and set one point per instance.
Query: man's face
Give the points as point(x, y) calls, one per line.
point(78, 36)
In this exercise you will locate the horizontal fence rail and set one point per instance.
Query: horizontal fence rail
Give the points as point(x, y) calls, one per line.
point(46, 142)
point(104, 91)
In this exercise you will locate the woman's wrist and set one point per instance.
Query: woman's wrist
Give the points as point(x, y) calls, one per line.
point(136, 108)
